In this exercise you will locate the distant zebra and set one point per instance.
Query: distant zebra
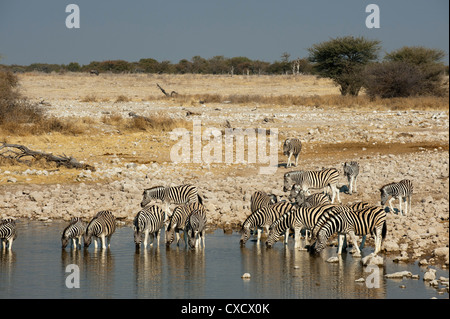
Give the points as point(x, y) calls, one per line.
point(74, 231)
point(401, 190)
point(351, 171)
point(94, 72)
point(178, 221)
point(102, 226)
point(178, 195)
point(297, 219)
point(148, 221)
point(298, 197)
point(313, 180)
point(8, 232)
point(196, 228)
point(292, 146)
point(369, 220)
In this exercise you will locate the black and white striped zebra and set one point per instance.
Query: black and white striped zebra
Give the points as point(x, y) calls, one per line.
point(297, 219)
point(8, 232)
point(369, 220)
point(402, 190)
point(351, 171)
point(178, 195)
point(298, 197)
point(196, 228)
point(102, 226)
point(263, 218)
point(178, 221)
point(260, 199)
point(313, 180)
point(73, 232)
point(292, 146)
point(148, 221)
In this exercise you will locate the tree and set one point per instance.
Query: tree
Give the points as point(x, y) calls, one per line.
point(343, 60)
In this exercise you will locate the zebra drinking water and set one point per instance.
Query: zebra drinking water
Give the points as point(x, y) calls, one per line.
point(102, 226)
point(178, 221)
point(351, 171)
point(8, 232)
point(369, 220)
point(195, 228)
point(178, 195)
point(74, 231)
point(148, 221)
point(292, 146)
point(261, 219)
point(313, 180)
point(401, 190)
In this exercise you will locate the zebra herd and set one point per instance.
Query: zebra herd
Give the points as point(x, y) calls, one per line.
point(317, 214)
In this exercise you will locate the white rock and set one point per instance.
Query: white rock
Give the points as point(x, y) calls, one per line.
point(333, 260)
point(246, 276)
point(430, 275)
point(399, 274)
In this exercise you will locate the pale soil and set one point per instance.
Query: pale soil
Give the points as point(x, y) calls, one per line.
point(389, 144)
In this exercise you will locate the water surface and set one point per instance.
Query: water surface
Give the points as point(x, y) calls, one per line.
point(36, 268)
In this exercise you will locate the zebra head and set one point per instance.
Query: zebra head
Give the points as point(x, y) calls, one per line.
point(87, 239)
point(384, 194)
point(137, 234)
point(245, 235)
point(296, 194)
point(150, 194)
point(273, 238)
point(286, 147)
point(64, 240)
point(319, 244)
point(288, 182)
point(170, 232)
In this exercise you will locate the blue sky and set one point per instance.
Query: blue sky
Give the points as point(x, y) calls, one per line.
point(35, 31)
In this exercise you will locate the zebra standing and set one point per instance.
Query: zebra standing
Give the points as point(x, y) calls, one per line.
point(75, 231)
point(148, 221)
point(8, 232)
point(292, 146)
point(351, 171)
point(313, 179)
point(102, 226)
point(195, 228)
point(369, 220)
point(297, 219)
point(298, 197)
point(178, 195)
point(401, 190)
point(260, 199)
point(178, 221)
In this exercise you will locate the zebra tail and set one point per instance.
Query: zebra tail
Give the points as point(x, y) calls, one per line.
point(200, 200)
point(384, 230)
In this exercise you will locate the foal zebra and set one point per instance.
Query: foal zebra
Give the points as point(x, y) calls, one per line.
point(178, 221)
point(75, 231)
point(297, 219)
point(351, 171)
point(369, 220)
point(401, 190)
point(102, 226)
point(178, 195)
point(148, 221)
point(292, 146)
point(8, 232)
point(195, 228)
point(313, 179)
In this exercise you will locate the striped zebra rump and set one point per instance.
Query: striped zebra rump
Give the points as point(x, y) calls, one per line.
point(292, 146)
point(178, 195)
point(178, 220)
point(262, 218)
point(102, 226)
point(260, 199)
point(195, 228)
point(8, 232)
point(74, 231)
point(148, 221)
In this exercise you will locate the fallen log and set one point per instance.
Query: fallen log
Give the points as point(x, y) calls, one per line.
point(164, 91)
point(18, 152)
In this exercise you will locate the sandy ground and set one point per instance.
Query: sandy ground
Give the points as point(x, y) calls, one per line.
point(389, 144)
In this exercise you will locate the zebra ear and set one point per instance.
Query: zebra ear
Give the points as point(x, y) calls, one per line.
point(288, 142)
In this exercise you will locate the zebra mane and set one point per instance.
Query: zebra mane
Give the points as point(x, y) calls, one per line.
point(382, 187)
point(154, 188)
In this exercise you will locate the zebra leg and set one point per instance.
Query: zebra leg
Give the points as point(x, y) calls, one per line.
point(286, 237)
point(400, 205)
point(354, 182)
point(103, 238)
point(363, 241)
point(342, 238)
point(259, 234)
point(405, 202)
point(296, 160)
point(350, 182)
point(289, 160)
point(390, 205)
point(297, 237)
point(355, 244)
